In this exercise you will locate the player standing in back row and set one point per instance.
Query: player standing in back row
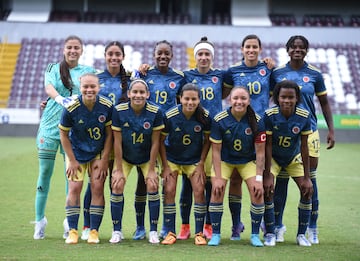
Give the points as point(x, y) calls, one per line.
point(311, 83)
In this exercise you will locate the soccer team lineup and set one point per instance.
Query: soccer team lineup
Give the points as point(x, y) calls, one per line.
point(253, 123)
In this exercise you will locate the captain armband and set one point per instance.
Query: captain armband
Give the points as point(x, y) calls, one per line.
point(261, 137)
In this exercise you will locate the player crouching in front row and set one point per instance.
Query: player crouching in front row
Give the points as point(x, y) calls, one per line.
point(85, 134)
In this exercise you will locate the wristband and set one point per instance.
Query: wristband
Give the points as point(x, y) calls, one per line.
point(259, 178)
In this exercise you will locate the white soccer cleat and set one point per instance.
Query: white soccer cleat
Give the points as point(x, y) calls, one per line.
point(154, 237)
point(270, 239)
point(279, 233)
point(85, 234)
point(312, 234)
point(116, 237)
point(66, 228)
point(40, 226)
point(301, 240)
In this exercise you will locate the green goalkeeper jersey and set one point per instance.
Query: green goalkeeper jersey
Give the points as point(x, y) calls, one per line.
point(48, 128)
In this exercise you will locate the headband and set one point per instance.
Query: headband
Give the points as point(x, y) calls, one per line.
point(204, 45)
point(140, 81)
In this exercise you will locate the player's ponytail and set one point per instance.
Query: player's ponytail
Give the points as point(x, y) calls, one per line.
point(64, 67)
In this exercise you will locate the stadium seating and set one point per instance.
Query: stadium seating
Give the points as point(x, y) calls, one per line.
point(283, 20)
point(218, 19)
point(287, 19)
point(105, 17)
point(65, 16)
point(323, 20)
point(112, 17)
point(4, 14)
point(355, 20)
point(339, 63)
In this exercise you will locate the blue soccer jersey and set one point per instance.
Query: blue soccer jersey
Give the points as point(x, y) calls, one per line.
point(136, 130)
point(286, 133)
point(310, 81)
point(184, 137)
point(164, 88)
point(236, 137)
point(52, 112)
point(87, 128)
point(256, 79)
point(210, 85)
point(110, 86)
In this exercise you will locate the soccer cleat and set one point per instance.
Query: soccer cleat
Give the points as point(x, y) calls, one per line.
point(184, 232)
point(269, 239)
point(162, 233)
point(116, 237)
point(200, 239)
point(207, 231)
point(140, 233)
point(93, 237)
point(235, 235)
point(279, 233)
point(263, 227)
point(169, 239)
point(312, 234)
point(85, 233)
point(40, 226)
point(73, 237)
point(153, 237)
point(255, 240)
point(66, 228)
point(215, 240)
point(301, 240)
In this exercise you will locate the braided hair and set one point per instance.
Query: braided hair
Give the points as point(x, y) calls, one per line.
point(124, 82)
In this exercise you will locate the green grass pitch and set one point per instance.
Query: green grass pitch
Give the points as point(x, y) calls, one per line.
point(339, 220)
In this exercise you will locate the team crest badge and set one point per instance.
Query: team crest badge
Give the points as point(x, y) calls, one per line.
point(295, 129)
point(262, 72)
point(306, 79)
point(102, 118)
point(172, 85)
point(214, 79)
point(146, 125)
point(248, 131)
point(197, 128)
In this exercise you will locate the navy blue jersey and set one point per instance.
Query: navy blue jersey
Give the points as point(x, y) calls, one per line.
point(236, 137)
point(164, 88)
point(310, 81)
point(185, 137)
point(210, 85)
point(111, 86)
point(87, 128)
point(256, 79)
point(286, 133)
point(136, 130)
